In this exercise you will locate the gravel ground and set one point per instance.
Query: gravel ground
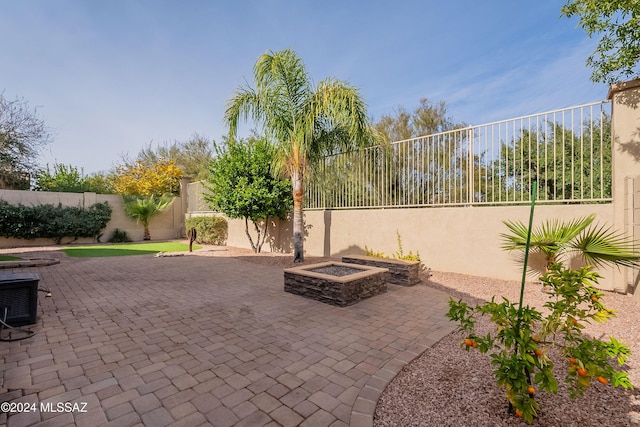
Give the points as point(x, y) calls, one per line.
point(447, 386)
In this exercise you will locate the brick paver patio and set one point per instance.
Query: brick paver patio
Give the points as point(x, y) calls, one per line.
point(215, 341)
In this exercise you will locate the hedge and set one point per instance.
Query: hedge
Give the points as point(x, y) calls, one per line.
point(53, 222)
point(210, 230)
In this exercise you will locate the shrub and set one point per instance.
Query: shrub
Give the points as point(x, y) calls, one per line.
point(53, 222)
point(120, 236)
point(523, 335)
point(399, 254)
point(371, 252)
point(210, 230)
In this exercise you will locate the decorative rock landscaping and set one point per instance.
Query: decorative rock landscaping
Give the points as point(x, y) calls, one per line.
point(404, 273)
point(336, 283)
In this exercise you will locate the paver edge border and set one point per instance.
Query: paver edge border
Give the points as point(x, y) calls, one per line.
point(364, 408)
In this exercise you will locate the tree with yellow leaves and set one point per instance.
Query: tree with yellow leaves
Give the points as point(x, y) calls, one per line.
point(159, 178)
point(146, 188)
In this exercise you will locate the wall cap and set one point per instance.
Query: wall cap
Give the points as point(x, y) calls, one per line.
point(621, 87)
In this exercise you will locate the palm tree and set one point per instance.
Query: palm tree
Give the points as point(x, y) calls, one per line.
point(556, 240)
point(142, 209)
point(306, 121)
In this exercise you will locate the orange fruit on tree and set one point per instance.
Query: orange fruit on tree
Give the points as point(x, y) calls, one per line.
point(594, 299)
point(474, 344)
point(582, 372)
point(468, 342)
point(603, 380)
point(531, 390)
point(519, 413)
point(573, 360)
point(538, 352)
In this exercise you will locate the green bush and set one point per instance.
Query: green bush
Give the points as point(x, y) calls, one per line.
point(53, 222)
point(210, 230)
point(120, 236)
point(524, 335)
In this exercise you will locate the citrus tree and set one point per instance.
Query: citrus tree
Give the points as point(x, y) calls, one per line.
point(242, 184)
point(524, 335)
point(520, 345)
point(306, 121)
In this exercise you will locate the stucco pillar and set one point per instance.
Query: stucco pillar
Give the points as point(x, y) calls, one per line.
point(625, 132)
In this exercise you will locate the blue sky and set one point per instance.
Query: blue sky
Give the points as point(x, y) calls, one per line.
point(109, 77)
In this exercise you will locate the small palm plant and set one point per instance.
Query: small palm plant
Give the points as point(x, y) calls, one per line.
point(142, 209)
point(558, 241)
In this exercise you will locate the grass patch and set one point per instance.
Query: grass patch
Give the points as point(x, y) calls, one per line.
point(8, 258)
point(126, 249)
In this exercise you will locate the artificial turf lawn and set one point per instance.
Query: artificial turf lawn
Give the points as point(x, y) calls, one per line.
point(126, 249)
point(8, 258)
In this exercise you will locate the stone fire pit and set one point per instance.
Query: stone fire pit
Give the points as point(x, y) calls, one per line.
point(336, 283)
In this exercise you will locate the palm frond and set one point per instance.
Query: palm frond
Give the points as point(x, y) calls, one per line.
point(142, 209)
point(561, 232)
point(602, 246)
point(518, 239)
point(244, 104)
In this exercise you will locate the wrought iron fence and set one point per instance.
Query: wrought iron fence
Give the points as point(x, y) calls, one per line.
point(195, 197)
point(567, 151)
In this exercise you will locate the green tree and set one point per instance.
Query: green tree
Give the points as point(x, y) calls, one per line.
point(70, 179)
point(99, 183)
point(143, 209)
point(306, 121)
point(242, 184)
point(431, 164)
point(192, 156)
point(426, 119)
point(22, 135)
point(65, 178)
point(618, 22)
point(567, 164)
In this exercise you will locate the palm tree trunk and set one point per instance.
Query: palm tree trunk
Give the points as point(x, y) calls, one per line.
point(147, 235)
point(298, 221)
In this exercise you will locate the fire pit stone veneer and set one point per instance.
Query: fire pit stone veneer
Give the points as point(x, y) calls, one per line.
point(336, 283)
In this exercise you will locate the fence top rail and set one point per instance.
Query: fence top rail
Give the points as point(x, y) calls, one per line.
point(499, 122)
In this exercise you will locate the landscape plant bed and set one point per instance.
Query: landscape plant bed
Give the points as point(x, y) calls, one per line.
point(336, 283)
point(403, 273)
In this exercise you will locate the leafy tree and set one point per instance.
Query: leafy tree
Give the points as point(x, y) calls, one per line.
point(143, 209)
point(148, 179)
point(22, 134)
point(65, 178)
point(567, 164)
point(429, 166)
point(305, 120)
point(618, 22)
point(192, 156)
point(68, 178)
point(428, 118)
point(242, 184)
point(99, 183)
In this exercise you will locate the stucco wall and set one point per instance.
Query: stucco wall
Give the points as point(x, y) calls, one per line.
point(167, 225)
point(461, 240)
